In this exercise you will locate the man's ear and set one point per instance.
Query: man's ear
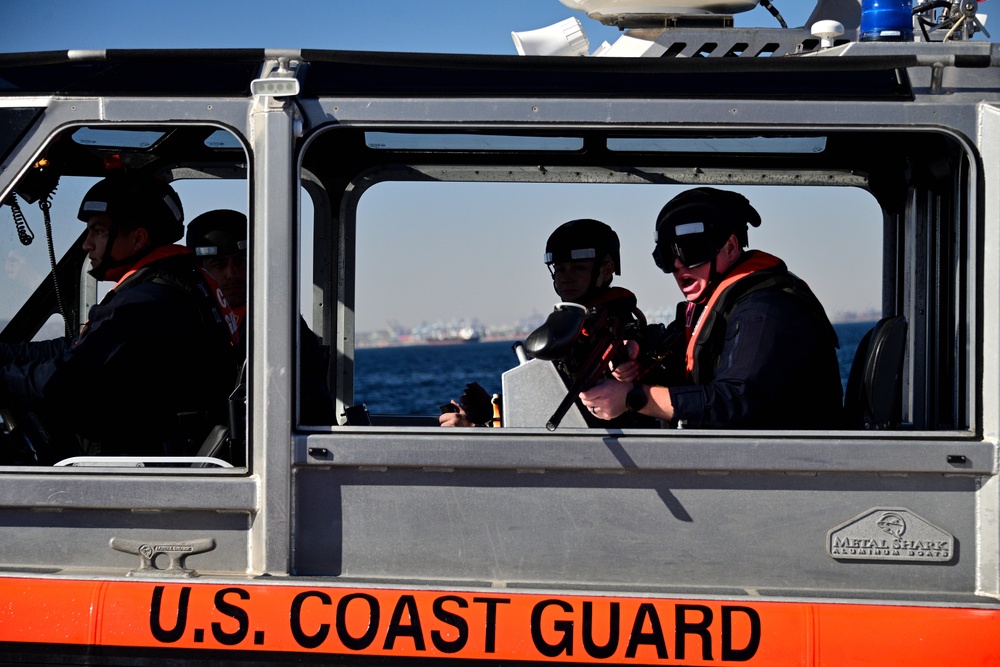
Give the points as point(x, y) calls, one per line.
point(729, 254)
point(607, 273)
point(140, 239)
point(732, 247)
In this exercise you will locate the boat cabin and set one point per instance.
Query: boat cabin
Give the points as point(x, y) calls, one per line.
point(874, 165)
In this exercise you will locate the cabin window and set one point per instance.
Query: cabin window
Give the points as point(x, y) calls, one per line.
point(206, 166)
point(468, 142)
point(426, 267)
point(446, 289)
point(735, 145)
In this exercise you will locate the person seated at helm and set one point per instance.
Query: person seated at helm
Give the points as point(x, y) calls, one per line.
point(757, 349)
point(218, 239)
point(583, 257)
point(152, 366)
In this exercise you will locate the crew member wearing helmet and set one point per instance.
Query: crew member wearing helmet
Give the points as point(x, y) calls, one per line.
point(758, 348)
point(149, 373)
point(583, 256)
point(219, 240)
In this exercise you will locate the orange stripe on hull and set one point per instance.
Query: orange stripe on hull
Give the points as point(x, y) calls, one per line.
point(498, 626)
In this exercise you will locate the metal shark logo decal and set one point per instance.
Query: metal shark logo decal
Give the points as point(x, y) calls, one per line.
point(890, 534)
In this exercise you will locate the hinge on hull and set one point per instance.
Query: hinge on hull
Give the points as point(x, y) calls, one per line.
point(175, 552)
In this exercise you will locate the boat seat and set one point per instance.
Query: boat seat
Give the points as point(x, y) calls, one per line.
point(873, 399)
point(226, 441)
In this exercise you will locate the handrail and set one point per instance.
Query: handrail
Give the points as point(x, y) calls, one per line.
point(142, 461)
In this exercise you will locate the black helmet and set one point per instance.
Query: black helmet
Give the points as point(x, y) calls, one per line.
point(694, 225)
point(583, 239)
point(136, 200)
point(219, 232)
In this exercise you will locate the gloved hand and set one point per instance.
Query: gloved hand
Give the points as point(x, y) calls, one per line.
point(477, 404)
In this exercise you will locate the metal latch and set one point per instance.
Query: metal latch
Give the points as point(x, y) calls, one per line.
point(176, 552)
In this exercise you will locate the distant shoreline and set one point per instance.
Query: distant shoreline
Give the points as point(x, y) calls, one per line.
point(437, 343)
point(507, 339)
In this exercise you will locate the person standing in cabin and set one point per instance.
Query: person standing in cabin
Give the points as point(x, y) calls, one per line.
point(758, 350)
point(149, 373)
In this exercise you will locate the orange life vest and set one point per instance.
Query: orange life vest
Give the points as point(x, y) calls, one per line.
point(754, 262)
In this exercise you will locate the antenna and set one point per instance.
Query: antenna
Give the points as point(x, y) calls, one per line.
point(827, 31)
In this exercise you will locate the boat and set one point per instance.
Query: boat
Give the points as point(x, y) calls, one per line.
point(383, 538)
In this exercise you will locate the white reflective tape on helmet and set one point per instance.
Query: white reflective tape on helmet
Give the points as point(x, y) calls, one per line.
point(579, 253)
point(689, 228)
point(206, 250)
point(169, 201)
point(97, 206)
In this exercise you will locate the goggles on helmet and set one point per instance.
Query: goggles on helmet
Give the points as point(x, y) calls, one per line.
point(689, 242)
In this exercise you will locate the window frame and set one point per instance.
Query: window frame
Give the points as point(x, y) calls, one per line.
point(40, 306)
point(903, 266)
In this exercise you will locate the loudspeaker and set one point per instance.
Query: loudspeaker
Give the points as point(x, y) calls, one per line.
point(565, 38)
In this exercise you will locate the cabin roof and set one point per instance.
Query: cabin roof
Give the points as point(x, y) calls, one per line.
point(228, 72)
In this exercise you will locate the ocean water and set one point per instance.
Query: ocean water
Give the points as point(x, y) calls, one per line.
point(418, 379)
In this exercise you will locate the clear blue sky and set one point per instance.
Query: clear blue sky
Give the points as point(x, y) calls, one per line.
point(507, 280)
point(446, 26)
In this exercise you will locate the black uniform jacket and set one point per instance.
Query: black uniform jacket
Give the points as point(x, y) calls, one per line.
point(766, 357)
point(148, 374)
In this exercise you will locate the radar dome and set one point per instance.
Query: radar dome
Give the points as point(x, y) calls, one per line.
point(596, 9)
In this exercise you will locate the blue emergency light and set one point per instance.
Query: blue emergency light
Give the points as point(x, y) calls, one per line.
point(886, 21)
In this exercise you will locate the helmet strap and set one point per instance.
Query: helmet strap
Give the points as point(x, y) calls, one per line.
point(714, 277)
point(596, 287)
point(100, 271)
point(713, 280)
point(595, 275)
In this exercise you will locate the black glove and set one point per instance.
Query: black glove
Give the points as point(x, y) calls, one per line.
point(477, 404)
